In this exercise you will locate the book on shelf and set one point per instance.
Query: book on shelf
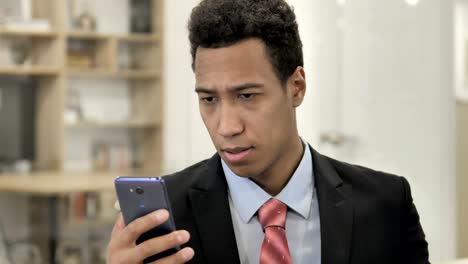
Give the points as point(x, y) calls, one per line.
point(79, 60)
point(108, 156)
point(82, 206)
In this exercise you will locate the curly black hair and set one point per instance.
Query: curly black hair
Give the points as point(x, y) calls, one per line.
point(220, 23)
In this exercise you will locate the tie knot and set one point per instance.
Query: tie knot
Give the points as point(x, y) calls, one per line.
point(272, 213)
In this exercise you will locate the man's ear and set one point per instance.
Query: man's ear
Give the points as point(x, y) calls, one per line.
point(297, 86)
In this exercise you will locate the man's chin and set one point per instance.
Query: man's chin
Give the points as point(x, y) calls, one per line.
point(241, 170)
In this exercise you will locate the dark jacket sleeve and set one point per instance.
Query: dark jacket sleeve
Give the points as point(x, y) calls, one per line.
point(415, 249)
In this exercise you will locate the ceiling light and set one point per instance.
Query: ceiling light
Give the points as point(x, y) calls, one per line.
point(412, 2)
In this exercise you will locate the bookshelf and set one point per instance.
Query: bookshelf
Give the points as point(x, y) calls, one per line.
point(54, 66)
point(58, 59)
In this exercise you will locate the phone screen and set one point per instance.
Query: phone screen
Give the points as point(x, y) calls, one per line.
point(139, 196)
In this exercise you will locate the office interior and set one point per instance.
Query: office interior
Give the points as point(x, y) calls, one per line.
point(91, 90)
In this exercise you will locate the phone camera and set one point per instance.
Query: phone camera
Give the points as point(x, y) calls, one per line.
point(139, 190)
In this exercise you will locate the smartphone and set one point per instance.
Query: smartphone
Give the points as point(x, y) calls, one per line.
point(139, 196)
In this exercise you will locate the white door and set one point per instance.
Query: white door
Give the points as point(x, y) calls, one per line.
point(380, 94)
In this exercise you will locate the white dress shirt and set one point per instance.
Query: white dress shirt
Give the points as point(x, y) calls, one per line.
point(302, 222)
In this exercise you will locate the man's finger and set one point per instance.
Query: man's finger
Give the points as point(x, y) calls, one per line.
point(183, 256)
point(162, 243)
point(119, 225)
point(140, 225)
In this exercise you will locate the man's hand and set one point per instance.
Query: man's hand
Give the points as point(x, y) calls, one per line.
point(122, 247)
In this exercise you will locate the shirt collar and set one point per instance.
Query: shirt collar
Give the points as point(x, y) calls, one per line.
point(248, 197)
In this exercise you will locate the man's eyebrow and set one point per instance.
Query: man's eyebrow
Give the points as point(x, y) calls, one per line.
point(203, 90)
point(244, 86)
point(236, 88)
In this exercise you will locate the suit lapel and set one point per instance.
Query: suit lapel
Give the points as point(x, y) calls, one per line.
point(336, 211)
point(209, 200)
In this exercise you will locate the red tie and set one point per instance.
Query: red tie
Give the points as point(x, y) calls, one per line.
point(272, 216)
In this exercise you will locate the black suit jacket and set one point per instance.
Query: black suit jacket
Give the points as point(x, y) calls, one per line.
point(365, 216)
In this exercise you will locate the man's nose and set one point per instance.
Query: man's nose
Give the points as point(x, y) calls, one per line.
point(230, 124)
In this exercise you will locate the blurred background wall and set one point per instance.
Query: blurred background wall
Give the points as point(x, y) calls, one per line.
point(462, 179)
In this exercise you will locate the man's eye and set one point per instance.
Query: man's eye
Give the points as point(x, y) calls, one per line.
point(209, 99)
point(246, 96)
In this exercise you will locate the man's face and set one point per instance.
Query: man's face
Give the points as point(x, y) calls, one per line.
point(249, 115)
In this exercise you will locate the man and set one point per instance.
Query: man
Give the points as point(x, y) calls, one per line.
point(267, 196)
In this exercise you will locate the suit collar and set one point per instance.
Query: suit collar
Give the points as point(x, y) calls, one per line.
point(336, 211)
point(247, 197)
point(209, 200)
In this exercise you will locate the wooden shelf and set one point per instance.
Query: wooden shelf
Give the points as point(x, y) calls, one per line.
point(123, 74)
point(25, 33)
point(129, 124)
point(86, 35)
point(53, 183)
point(61, 183)
point(28, 70)
point(131, 37)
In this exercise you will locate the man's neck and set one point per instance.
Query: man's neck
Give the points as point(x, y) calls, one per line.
point(276, 178)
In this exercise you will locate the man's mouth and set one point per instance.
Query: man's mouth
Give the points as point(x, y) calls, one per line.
point(236, 154)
